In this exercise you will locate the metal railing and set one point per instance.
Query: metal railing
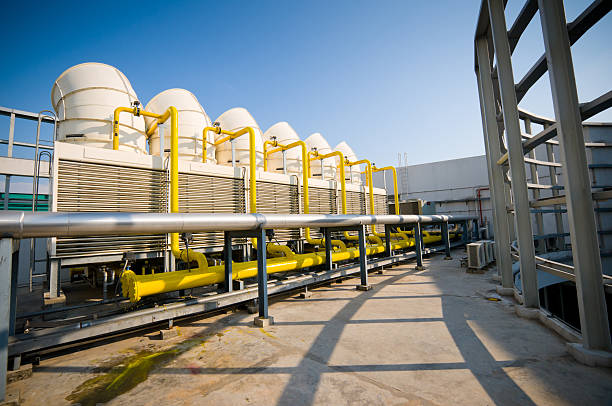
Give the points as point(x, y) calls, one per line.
point(510, 151)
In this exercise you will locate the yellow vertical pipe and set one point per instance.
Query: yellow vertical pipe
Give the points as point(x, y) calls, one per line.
point(395, 191)
point(216, 130)
point(115, 134)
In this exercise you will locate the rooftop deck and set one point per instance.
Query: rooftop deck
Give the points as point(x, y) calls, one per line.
point(418, 337)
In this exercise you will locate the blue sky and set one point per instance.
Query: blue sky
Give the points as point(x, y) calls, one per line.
point(389, 77)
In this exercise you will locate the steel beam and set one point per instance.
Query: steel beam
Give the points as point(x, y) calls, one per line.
point(583, 231)
point(328, 248)
point(446, 240)
point(522, 217)
point(363, 260)
point(262, 274)
point(418, 246)
point(6, 307)
point(227, 258)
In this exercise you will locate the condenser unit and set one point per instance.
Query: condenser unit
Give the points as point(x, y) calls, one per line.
point(489, 251)
point(476, 255)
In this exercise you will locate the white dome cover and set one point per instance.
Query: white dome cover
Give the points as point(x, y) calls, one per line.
point(285, 135)
point(85, 97)
point(318, 142)
point(233, 120)
point(191, 122)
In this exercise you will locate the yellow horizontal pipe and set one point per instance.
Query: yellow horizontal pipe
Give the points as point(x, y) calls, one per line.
point(137, 286)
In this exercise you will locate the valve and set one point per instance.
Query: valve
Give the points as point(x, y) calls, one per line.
point(136, 105)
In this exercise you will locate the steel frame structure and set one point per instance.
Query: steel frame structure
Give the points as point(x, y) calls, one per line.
point(499, 98)
point(17, 225)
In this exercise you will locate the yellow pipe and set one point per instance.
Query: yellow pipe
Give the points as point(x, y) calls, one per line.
point(266, 153)
point(216, 130)
point(137, 286)
point(252, 161)
point(115, 134)
point(376, 237)
point(395, 191)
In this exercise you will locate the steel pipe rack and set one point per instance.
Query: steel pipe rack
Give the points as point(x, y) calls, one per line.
point(17, 225)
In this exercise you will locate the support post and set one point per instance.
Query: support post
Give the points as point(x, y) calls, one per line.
point(363, 260)
point(6, 307)
point(446, 239)
point(516, 159)
point(418, 246)
point(388, 252)
point(464, 232)
point(262, 281)
point(227, 258)
point(497, 188)
point(581, 218)
point(328, 249)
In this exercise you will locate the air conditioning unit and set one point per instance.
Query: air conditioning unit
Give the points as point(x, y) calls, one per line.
point(489, 250)
point(476, 255)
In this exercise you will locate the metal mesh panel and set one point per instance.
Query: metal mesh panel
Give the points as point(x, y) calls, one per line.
point(210, 194)
point(108, 188)
point(278, 198)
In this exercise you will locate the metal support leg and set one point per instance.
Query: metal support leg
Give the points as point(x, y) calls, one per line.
point(516, 159)
point(363, 261)
point(418, 246)
point(6, 308)
point(388, 252)
point(54, 270)
point(446, 239)
point(583, 231)
point(464, 232)
point(262, 281)
point(328, 249)
point(227, 258)
point(501, 226)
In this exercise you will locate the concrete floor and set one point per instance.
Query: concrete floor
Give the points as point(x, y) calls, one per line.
point(417, 338)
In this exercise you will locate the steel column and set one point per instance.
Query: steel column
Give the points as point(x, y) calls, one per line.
point(262, 274)
point(388, 252)
point(328, 249)
point(583, 231)
point(446, 239)
point(418, 247)
point(227, 258)
point(363, 259)
point(516, 159)
point(6, 307)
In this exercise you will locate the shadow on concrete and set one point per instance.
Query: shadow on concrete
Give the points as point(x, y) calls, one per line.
point(494, 380)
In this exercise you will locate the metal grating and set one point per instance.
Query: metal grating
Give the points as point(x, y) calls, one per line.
point(210, 194)
point(279, 198)
point(108, 188)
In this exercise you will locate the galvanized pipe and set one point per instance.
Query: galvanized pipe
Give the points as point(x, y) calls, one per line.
point(27, 225)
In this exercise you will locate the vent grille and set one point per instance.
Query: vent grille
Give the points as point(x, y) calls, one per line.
point(210, 194)
point(88, 187)
point(278, 198)
point(322, 201)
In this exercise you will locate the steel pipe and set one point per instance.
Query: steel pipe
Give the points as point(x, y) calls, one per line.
point(26, 225)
